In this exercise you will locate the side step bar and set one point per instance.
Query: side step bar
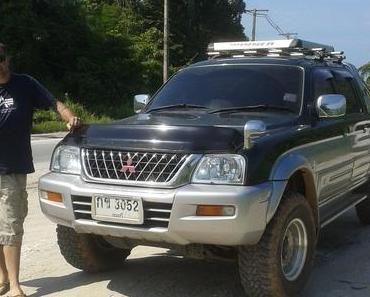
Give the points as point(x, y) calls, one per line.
point(360, 198)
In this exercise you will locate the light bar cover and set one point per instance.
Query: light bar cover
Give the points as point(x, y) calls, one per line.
point(269, 44)
point(250, 45)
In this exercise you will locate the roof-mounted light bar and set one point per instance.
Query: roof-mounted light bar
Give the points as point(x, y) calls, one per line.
point(275, 48)
point(269, 44)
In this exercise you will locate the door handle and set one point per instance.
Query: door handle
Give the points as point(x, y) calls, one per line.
point(351, 131)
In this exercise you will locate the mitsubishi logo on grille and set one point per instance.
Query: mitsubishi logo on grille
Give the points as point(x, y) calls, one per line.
point(129, 167)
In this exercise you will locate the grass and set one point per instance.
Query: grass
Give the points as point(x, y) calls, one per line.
point(47, 121)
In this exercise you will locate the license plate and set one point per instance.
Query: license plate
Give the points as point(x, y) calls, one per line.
point(118, 209)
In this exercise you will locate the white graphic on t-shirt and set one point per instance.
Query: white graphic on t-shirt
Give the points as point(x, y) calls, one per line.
point(7, 103)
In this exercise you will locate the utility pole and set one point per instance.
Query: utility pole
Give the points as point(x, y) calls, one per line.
point(165, 43)
point(255, 13)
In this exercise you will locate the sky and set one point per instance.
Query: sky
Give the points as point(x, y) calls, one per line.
point(345, 24)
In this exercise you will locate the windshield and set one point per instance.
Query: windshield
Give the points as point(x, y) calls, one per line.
point(233, 86)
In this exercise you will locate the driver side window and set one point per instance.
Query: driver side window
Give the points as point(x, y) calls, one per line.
point(323, 83)
point(344, 86)
point(337, 82)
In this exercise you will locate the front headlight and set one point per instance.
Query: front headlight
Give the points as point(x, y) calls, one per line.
point(66, 159)
point(220, 169)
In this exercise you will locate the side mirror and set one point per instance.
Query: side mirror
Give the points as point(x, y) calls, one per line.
point(331, 106)
point(140, 101)
point(253, 128)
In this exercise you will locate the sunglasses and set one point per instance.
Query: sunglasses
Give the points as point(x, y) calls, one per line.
point(2, 58)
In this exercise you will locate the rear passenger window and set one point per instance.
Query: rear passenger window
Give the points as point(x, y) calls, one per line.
point(343, 86)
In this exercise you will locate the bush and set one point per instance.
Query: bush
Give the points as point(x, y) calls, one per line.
point(47, 121)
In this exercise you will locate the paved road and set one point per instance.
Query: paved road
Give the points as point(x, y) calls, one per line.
point(43, 145)
point(342, 267)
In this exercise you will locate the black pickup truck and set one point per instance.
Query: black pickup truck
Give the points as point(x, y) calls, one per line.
point(244, 157)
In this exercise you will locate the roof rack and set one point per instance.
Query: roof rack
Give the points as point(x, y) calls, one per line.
point(275, 48)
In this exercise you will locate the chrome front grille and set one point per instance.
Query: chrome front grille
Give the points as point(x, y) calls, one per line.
point(131, 166)
point(155, 214)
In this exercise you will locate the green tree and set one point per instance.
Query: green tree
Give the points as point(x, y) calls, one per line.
point(72, 51)
point(194, 24)
point(125, 23)
point(365, 72)
point(101, 52)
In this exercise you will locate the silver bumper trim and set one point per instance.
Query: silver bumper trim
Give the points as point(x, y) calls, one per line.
point(177, 224)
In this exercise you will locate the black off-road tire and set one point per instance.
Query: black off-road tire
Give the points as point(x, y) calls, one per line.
point(363, 211)
point(88, 252)
point(260, 267)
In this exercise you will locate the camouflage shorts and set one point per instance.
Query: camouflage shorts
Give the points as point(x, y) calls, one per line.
point(13, 208)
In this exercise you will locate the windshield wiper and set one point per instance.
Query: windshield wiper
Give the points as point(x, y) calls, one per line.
point(183, 105)
point(252, 107)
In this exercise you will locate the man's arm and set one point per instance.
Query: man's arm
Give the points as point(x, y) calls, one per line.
point(71, 120)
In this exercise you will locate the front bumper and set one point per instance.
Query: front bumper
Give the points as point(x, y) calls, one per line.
point(184, 227)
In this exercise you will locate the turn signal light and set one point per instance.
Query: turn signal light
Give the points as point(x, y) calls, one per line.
point(215, 210)
point(55, 197)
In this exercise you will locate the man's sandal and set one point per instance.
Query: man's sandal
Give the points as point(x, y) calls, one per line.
point(4, 288)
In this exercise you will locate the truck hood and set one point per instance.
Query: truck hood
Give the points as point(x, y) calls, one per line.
point(176, 132)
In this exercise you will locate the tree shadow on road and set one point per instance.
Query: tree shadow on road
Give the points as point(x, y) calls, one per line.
point(50, 285)
point(156, 276)
point(343, 245)
point(175, 276)
point(342, 263)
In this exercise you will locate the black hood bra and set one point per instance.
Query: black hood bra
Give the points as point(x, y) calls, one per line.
point(177, 132)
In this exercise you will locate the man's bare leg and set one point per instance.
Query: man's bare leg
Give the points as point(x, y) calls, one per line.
point(3, 272)
point(12, 260)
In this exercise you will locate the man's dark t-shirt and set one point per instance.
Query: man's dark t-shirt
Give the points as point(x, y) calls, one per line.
point(18, 99)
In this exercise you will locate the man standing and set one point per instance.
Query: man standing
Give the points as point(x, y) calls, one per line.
point(19, 96)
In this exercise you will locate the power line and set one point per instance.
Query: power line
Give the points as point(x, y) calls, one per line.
point(273, 24)
point(263, 13)
point(278, 29)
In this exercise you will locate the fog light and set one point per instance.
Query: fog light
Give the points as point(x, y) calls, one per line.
point(215, 210)
point(51, 196)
